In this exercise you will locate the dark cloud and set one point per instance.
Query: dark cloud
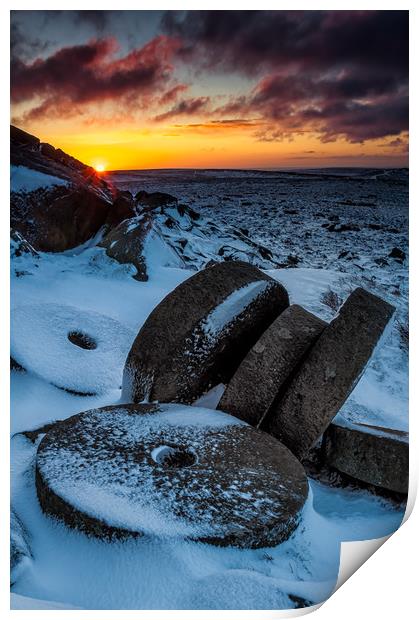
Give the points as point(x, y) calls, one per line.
point(185, 107)
point(356, 108)
point(250, 40)
point(340, 73)
point(24, 46)
point(89, 73)
point(98, 19)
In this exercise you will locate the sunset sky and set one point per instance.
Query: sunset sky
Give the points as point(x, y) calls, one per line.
point(209, 89)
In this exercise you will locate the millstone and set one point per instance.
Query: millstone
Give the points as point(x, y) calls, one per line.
point(82, 351)
point(170, 471)
point(198, 335)
point(372, 454)
point(269, 364)
point(329, 373)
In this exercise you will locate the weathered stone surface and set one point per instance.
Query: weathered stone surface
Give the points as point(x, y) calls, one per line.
point(198, 335)
point(170, 471)
point(329, 372)
point(133, 239)
point(372, 454)
point(20, 553)
point(125, 244)
point(123, 208)
point(269, 364)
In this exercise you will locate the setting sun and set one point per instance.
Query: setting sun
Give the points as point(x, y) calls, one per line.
point(99, 167)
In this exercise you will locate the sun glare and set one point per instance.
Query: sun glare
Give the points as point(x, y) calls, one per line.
point(99, 167)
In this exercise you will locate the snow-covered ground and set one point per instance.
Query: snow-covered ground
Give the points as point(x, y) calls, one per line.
point(23, 179)
point(67, 567)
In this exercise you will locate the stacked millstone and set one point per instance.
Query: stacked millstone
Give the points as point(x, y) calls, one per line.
point(327, 375)
point(298, 375)
point(199, 334)
point(173, 470)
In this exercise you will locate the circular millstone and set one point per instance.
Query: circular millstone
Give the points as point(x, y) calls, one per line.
point(269, 364)
point(329, 372)
point(170, 471)
point(77, 350)
point(200, 332)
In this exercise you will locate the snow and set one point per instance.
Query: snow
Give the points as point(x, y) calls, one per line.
point(24, 179)
point(67, 365)
point(233, 306)
point(71, 570)
point(25, 602)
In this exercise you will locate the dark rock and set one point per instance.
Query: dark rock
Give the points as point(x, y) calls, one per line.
point(198, 335)
point(329, 373)
point(343, 228)
point(60, 216)
point(123, 208)
point(398, 254)
point(372, 454)
point(154, 200)
point(269, 364)
point(20, 553)
point(127, 244)
point(381, 262)
point(170, 470)
point(21, 138)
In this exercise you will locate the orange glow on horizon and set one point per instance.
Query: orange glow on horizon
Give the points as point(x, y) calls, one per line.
point(128, 147)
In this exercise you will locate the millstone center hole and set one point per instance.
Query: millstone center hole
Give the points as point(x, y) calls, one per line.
point(84, 341)
point(173, 456)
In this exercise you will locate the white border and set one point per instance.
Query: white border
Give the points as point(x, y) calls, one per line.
point(386, 586)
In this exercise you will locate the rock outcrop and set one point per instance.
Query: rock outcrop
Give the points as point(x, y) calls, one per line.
point(146, 201)
point(198, 335)
point(137, 241)
point(57, 202)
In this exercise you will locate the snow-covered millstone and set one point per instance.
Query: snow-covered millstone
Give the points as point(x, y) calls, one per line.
point(198, 335)
point(82, 351)
point(269, 364)
point(329, 372)
point(170, 471)
point(372, 454)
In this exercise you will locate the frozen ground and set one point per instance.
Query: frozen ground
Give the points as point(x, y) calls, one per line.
point(69, 569)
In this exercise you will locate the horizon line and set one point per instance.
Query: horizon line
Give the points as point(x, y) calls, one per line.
point(264, 169)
